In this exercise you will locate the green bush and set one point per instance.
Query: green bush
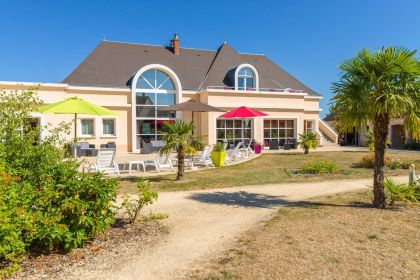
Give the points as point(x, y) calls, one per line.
point(319, 167)
point(407, 193)
point(145, 196)
point(219, 147)
point(45, 202)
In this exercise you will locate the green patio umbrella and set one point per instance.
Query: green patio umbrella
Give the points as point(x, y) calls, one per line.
point(75, 105)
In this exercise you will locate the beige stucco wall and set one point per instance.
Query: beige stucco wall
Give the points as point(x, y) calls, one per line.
point(296, 106)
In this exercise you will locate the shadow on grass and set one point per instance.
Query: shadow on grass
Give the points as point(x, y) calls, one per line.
point(257, 200)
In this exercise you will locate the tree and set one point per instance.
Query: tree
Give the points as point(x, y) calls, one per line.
point(375, 87)
point(308, 141)
point(179, 137)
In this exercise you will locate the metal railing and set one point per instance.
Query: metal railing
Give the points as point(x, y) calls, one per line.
point(281, 90)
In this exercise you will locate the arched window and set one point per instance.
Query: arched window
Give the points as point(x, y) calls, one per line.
point(246, 77)
point(154, 89)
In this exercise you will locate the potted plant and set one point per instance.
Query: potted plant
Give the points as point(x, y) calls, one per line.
point(258, 147)
point(218, 155)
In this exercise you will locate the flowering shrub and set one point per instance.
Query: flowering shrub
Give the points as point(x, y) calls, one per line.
point(368, 161)
point(45, 202)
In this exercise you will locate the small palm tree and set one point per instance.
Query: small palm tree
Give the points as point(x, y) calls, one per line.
point(308, 141)
point(375, 87)
point(179, 137)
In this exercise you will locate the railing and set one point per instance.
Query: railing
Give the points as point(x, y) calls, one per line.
point(333, 134)
point(282, 90)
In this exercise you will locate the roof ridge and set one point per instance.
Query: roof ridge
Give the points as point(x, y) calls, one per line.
point(208, 71)
point(153, 45)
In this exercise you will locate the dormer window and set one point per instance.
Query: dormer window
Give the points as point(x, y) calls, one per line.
point(246, 77)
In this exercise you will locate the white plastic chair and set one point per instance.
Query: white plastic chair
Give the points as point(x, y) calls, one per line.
point(160, 162)
point(248, 149)
point(204, 157)
point(105, 162)
point(236, 152)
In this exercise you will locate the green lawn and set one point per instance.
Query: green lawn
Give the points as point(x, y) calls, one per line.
point(269, 168)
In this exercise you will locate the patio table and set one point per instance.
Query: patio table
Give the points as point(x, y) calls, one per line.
point(135, 162)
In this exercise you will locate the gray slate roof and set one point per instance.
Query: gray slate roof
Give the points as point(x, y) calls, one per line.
point(113, 64)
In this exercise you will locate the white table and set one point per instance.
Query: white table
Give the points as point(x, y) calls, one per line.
point(138, 163)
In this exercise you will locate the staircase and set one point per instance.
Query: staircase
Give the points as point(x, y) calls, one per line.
point(326, 141)
point(328, 136)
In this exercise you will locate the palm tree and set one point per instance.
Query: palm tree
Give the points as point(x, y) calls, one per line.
point(179, 137)
point(375, 87)
point(308, 141)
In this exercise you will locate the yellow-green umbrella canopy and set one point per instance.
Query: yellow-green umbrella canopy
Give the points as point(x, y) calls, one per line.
point(75, 106)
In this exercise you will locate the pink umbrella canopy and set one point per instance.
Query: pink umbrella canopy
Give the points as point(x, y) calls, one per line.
point(242, 112)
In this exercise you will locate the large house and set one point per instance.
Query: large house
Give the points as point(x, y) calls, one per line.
point(135, 80)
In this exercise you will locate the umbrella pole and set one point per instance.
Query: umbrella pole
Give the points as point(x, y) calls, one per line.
point(192, 119)
point(75, 136)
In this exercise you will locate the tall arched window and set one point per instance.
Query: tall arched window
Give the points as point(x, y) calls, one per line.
point(154, 89)
point(246, 79)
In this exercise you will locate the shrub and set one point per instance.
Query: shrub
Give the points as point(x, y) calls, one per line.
point(395, 164)
point(219, 147)
point(407, 193)
point(308, 141)
point(319, 167)
point(368, 161)
point(45, 202)
point(145, 196)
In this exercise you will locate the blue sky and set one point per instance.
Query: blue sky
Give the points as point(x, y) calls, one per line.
point(43, 41)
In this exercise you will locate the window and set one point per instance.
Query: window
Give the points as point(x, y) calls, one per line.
point(154, 90)
point(231, 130)
point(108, 127)
point(309, 126)
point(246, 79)
point(87, 127)
point(278, 131)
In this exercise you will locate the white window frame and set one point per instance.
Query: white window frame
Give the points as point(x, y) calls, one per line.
point(312, 128)
point(80, 132)
point(115, 128)
point(256, 76)
point(134, 90)
point(278, 128)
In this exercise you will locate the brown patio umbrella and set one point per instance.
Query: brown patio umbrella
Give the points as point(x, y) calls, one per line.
point(191, 106)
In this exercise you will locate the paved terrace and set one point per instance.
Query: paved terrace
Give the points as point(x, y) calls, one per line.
point(123, 158)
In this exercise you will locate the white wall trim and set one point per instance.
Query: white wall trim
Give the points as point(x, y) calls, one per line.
point(256, 76)
point(178, 90)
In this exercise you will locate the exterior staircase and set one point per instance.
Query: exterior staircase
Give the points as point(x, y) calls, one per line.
point(327, 136)
point(327, 141)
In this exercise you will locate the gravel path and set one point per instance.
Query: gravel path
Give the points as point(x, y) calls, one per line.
point(203, 223)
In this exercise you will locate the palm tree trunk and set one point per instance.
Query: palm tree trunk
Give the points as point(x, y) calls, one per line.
point(380, 127)
point(181, 163)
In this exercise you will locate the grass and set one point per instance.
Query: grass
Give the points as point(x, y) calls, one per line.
point(266, 169)
point(331, 237)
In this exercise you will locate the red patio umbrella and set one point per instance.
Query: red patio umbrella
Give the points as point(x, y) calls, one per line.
point(242, 113)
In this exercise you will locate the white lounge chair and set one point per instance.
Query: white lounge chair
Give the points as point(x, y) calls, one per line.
point(105, 162)
point(204, 157)
point(248, 149)
point(160, 162)
point(235, 153)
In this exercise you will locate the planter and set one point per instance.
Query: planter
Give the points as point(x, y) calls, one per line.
point(218, 158)
point(257, 149)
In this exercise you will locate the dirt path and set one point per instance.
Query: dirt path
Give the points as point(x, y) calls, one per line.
point(203, 223)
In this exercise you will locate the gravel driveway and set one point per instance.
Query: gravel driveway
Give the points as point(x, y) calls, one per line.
point(203, 223)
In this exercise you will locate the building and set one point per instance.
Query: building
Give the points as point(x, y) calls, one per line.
point(135, 80)
point(398, 136)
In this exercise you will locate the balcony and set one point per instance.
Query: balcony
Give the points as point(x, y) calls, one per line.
point(265, 90)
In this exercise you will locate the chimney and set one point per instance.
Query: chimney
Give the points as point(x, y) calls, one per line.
point(175, 44)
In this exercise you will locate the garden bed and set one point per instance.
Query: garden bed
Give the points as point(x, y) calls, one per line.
point(111, 249)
